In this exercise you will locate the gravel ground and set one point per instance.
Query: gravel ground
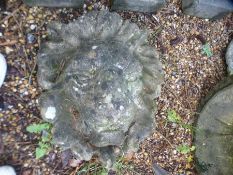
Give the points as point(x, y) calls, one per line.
point(189, 76)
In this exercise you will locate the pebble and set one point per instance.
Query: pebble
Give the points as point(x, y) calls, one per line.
point(1, 103)
point(33, 27)
point(3, 68)
point(8, 50)
point(31, 38)
point(7, 170)
point(84, 6)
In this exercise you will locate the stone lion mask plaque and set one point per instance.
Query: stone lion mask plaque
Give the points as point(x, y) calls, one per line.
point(100, 79)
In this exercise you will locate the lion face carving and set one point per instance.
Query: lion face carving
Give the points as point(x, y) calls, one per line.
point(101, 79)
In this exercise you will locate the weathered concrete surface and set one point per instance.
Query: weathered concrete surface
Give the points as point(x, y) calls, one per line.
point(55, 3)
point(209, 9)
point(138, 5)
point(229, 58)
point(214, 132)
point(101, 79)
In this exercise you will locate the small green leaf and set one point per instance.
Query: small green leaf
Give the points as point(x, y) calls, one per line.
point(45, 139)
point(173, 116)
point(40, 152)
point(44, 145)
point(187, 126)
point(37, 128)
point(104, 172)
point(185, 149)
point(46, 136)
point(190, 159)
point(192, 148)
point(206, 50)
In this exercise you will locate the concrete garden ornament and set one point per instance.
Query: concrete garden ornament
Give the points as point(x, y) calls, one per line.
point(101, 79)
point(214, 131)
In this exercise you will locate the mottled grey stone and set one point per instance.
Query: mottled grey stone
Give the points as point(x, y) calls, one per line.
point(101, 79)
point(55, 3)
point(158, 170)
point(209, 9)
point(229, 58)
point(214, 132)
point(139, 5)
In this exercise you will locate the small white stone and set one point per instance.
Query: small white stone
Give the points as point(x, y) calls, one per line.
point(122, 108)
point(8, 50)
point(32, 27)
point(94, 47)
point(50, 113)
point(108, 98)
point(119, 66)
point(3, 68)
point(1, 34)
point(119, 90)
point(76, 89)
point(25, 93)
point(7, 170)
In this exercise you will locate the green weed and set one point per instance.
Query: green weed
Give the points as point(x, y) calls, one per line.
point(44, 144)
point(93, 168)
point(185, 149)
point(38, 128)
point(96, 168)
point(173, 117)
point(120, 166)
point(207, 50)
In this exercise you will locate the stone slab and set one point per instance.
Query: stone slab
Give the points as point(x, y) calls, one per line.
point(209, 9)
point(214, 132)
point(229, 58)
point(139, 5)
point(55, 3)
